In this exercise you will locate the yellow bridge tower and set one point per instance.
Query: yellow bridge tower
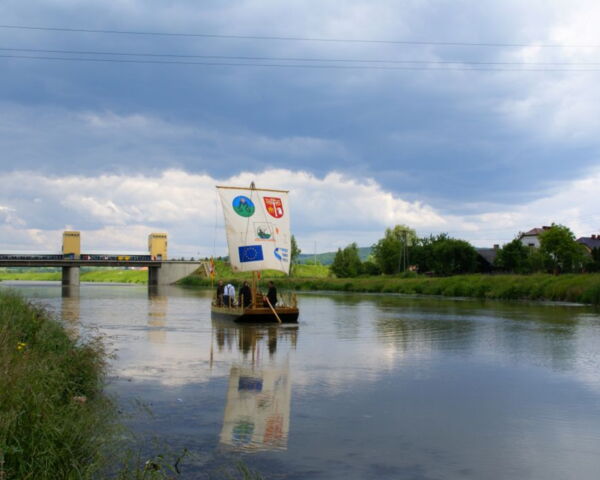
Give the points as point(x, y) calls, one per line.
point(71, 244)
point(157, 246)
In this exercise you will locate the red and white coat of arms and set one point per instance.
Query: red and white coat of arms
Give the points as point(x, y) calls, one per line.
point(274, 206)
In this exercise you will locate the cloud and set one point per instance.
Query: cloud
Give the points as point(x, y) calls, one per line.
point(116, 212)
point(440, 135)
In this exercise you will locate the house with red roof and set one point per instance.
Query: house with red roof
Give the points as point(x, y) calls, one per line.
point(532, 237)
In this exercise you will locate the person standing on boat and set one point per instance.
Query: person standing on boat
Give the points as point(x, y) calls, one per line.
point(229, 295)
point(272, 294)
point(220, 291)
point(245, 295)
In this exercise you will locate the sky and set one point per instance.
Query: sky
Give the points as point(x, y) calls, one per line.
point(118, 118)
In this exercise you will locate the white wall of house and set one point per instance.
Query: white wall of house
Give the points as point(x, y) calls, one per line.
point(530, 241)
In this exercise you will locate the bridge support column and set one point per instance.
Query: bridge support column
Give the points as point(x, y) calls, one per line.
point(70, 276)
point(153, 276)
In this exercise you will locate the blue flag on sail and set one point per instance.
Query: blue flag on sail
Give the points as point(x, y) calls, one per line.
point(250, 253)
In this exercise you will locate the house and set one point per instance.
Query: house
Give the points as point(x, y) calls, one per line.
point(486, 258)
point(532, 237)
point(590, 242)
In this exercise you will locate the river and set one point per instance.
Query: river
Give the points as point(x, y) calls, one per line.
point(364, 387)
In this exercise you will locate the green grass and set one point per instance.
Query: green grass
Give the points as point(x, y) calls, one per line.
point(112, 275)
point(581, 288)
point(120, 276)
point(31, 276)
point(54, 419)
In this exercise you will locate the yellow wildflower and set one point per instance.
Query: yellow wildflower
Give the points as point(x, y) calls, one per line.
point(21, 346)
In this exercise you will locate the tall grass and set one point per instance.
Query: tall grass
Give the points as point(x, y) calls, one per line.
point(582, 288)
point(54, 420)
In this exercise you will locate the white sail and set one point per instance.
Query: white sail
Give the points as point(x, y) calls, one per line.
point(257, 223)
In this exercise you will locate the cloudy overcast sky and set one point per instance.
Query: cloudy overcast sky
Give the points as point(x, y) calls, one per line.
point(477, 118)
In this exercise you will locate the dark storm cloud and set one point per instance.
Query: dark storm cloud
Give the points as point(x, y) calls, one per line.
point(449, 137)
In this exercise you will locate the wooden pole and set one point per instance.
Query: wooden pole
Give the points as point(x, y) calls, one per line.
point(273, 310)
point(253, 303)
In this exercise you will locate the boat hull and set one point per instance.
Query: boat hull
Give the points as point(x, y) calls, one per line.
point(255, 315)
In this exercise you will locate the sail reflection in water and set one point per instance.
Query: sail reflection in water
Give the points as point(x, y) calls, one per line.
point(257, 413)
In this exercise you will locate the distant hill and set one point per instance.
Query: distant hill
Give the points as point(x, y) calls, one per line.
point(326, 258)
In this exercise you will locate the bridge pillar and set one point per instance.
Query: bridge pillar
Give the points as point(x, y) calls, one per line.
point(70, 275)
point(153, 276)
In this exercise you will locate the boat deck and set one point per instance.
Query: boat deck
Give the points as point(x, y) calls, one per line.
point(255, 314)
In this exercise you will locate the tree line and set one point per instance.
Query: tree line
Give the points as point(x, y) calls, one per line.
point(401, 251)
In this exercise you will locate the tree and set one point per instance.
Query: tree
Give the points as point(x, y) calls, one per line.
point(295, 252)
point(452, 256)
point(563, 253)
point(369, 267)
point(346, 262)
point(444, 255)
point(391, 252)
point(593, 264)
point(513, 257)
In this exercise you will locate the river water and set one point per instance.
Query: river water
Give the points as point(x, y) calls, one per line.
point(365, 387)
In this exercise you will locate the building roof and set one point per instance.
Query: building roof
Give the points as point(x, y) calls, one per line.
point(590, 242)
point(488, 254)
point(534, 232)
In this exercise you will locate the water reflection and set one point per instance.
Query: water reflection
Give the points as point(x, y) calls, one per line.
point(158, 301)
point(257, 411)
point(70, 309)
point(257, 414)
point(252, 340)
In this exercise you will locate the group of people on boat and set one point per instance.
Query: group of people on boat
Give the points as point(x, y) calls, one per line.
point(225, 295)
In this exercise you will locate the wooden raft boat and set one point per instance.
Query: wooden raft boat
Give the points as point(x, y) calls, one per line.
point(259, 238)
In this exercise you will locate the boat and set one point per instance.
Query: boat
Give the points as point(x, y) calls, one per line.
point(257, 226)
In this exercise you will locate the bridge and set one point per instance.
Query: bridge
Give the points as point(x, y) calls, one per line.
point(160, 270)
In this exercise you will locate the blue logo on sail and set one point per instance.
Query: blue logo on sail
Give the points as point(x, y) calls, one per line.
point(281, 254)
point(251, 253)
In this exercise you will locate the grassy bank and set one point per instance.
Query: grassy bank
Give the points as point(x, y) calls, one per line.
point(582, 288)
point(54, 420)
point(117, 276)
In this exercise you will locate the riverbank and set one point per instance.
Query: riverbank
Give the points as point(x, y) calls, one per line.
point(54, 419)
point(580, 288)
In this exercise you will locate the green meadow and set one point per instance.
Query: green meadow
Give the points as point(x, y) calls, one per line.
point(100, 275)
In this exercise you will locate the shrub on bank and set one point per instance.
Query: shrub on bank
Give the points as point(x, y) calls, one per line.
point(53, 416)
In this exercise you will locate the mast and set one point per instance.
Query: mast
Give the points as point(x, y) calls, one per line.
point(254, 282)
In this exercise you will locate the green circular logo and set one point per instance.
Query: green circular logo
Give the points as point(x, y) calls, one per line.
point(243, 206)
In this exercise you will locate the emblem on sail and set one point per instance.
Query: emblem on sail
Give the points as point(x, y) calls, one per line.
point(243, 206)
point(264, 231)
point(251, 253)
point(274, 206)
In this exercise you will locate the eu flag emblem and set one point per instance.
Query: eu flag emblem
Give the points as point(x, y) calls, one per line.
point(251, 253)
